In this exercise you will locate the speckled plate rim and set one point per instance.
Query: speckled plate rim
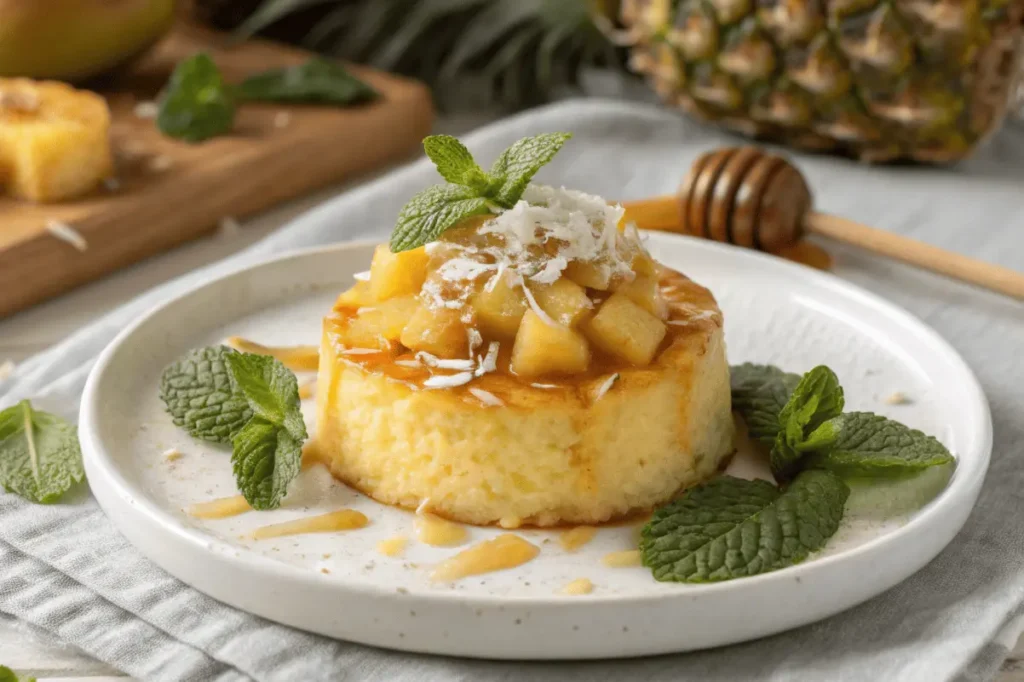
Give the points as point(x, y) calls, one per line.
point(229, 575)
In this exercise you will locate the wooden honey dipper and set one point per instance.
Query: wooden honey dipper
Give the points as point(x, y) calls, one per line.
point(748, 197)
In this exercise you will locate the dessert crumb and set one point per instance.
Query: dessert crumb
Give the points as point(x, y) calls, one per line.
point(327, 556)
point(324, 571)
point(159, 164)
point(282, 119)
point(173, 455)
point(6, 369)
point(898, 398)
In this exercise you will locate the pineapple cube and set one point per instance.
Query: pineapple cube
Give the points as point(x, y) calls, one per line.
point(589, 274)
point(439, 332)
point(397, 274)
point(644, 265)
point(500, 309)
point(542, 348)
point(564, 300)
point(388, 318)
point(625, 330)
point(54, 140)
point(644, 291)
point(356, 297)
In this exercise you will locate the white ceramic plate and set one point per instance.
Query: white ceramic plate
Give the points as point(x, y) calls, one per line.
point(338, 585)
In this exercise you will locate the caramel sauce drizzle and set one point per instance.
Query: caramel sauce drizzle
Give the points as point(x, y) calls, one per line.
point(625, 559)
point(574, 538)
point(579, 586)
point(437, 532)
point(392, 547)
point(220, 508)
point(346, 519)
point(295, 358)
point(504, 551)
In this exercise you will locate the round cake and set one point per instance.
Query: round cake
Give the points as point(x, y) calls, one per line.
point(536, 367)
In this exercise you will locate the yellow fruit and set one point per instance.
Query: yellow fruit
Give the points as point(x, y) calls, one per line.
point(390, 317)
point(565, 301)
point(589, 274)
point(439, 332)
point(625, 330)
point(543, 348)
point(644, 291)
point(76, 39)
point(356, 297)
point(54, 140)
point(397, 274)
point(499, 309)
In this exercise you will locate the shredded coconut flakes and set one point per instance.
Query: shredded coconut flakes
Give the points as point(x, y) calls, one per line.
point(6, 369)
point(486, 397)
point(360, 351)
point(362, 276)
point(443, 363)
point(448, 380)
point(66, 233)
point(146, 109)
point(606, 386)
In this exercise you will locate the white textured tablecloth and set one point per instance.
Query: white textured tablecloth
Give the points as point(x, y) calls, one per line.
point(65, 570)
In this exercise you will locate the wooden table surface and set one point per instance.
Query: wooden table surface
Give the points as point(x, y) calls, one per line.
point(36, 329)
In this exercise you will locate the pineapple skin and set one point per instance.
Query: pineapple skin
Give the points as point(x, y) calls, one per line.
point(54, 140)
point(881, 80)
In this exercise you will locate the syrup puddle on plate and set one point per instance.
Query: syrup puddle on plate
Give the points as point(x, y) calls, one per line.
point(346, 519)
point(220, 508)
point(624, 559)
point(437, 532)
point(578, 587)
point(574, 538)
point(295, 358)
point(504, 551)
point(392, 546)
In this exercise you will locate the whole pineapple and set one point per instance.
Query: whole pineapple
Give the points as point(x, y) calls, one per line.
point(878, 79)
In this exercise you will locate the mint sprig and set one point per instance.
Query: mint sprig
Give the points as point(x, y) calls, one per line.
point(197, 104)
point(40, 458)
point(816, 399)
point(251, 401)
point(201, 396)
point(759, 392)
point(870, 445)
point(471, 191)
point(731, 528)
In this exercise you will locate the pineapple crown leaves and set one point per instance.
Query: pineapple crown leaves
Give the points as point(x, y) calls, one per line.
point(471, 191)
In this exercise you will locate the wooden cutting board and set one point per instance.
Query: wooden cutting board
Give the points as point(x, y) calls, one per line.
point(170, 191)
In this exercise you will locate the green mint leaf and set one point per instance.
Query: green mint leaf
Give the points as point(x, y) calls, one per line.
point(316, 81)
point(265, 458)
point(201, 396)
point(432, 211)
point(197, 104)
point(455, 163)
point(40, 458)
point(271, 390)
point(759, 392)
point(816, 399)
point(519, 163)
point(732, 528)
point(870, 445)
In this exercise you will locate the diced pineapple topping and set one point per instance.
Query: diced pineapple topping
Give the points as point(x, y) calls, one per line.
point(543, 348)
point(397, 274)
point(438, 332)
point(499, 307)
point(625, 330)
point(527, 280)
point(565, 301)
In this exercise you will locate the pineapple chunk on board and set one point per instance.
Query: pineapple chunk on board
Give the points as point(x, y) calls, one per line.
point(439, 332)
point(397, 274)
point(543, 348)
point(625, 330)
point(499, 309)
point(54, 140)
point(565, 301)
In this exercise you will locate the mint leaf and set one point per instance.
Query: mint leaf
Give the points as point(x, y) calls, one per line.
point(816, 399)
point(454, 162)
point(265, 458)
point(316, 81)
point(270, 389)
point(432, 211)
point(731, 528)
point(40, 458)
point(196, 104)
point(519, 163)
point(201, 396)
point(759, 392)
point(866, 444)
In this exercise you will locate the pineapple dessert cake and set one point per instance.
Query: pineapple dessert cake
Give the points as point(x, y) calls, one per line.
point(515, 356)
